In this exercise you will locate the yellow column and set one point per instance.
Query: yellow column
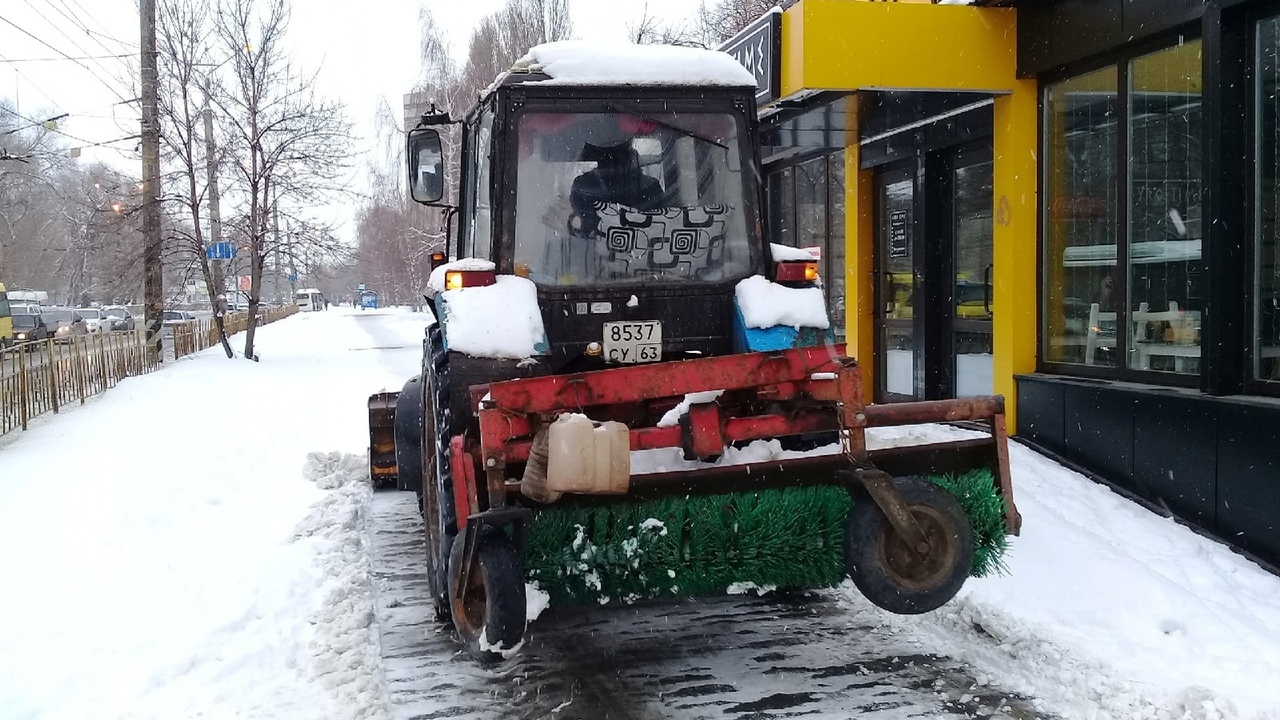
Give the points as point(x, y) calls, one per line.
point(1015, 276)
point(859, 233)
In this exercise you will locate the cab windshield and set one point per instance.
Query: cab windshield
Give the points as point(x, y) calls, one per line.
point(619, 198)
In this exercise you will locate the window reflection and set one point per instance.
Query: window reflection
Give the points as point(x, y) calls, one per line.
point(1081, 293)
point(1266, 294)
point(1166, 270)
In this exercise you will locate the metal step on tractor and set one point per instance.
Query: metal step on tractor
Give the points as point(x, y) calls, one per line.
point(627, 392)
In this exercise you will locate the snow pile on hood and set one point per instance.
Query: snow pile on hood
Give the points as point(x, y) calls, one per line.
point(495, 321)
point(345, 645)
point(573, 62)
point(765, 304)
point(436, 281)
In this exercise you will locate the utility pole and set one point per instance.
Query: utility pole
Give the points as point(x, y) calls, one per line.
point(153, 291)
point(215, 217)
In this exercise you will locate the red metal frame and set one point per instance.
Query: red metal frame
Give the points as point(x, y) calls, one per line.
point(818, 388)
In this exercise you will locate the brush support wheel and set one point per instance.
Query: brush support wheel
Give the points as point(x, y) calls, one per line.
point(491, 616)
point(892, 574)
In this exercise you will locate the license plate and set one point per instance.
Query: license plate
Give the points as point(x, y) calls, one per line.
point(633, 342)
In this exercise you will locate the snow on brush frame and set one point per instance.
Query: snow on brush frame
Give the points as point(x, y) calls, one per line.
point(573, 62)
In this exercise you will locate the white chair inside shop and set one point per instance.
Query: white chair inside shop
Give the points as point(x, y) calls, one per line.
point(1169, 333)
point(1094, 337)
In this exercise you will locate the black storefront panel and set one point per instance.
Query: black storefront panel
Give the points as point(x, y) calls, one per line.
point(1248, 480)
point(1174, 458)
point(1099, 426)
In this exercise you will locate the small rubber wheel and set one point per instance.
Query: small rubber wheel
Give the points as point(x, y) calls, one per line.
point(492, 616)
point(889, 572)
point(408, 435)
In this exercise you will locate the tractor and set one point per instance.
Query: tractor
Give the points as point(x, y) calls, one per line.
point(621, 365)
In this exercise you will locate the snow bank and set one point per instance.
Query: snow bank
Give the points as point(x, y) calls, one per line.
point(573, 62)
point(495, 321)
point(765, 304)
point(344, 650)
point(436, 281)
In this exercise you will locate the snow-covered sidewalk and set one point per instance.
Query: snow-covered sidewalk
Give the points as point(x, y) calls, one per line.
point(164, 555)
point(172, 551)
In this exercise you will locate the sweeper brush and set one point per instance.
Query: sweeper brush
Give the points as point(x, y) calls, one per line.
point(703, 545)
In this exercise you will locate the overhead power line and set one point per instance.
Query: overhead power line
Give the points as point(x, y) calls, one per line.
point(13, 25)
point(60, 59)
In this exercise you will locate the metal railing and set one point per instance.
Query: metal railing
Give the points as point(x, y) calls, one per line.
point(43, 376)
point(192, 337)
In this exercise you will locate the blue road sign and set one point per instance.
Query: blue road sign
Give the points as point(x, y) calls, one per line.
point(221, 251)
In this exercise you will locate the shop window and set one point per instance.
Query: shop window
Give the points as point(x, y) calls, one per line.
point(1266, 256)
point(1166, 277)
point(1082, 298)
point(1130, 296)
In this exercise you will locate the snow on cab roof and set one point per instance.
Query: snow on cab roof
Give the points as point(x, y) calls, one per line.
point(573, 62)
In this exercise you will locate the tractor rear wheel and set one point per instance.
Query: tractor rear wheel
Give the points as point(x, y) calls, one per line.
point(435, 520)
point(891, 573)
point(490, 619)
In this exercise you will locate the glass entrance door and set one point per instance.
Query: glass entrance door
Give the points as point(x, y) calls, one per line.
point(899, 374)
point(973, 264)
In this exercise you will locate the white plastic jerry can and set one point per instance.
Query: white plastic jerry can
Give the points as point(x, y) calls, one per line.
point(588, 457)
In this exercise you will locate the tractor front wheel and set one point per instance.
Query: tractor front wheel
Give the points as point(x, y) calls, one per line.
point(891, 573)
point(490, 616)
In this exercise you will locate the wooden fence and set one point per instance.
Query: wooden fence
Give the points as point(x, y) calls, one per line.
point(45, 376)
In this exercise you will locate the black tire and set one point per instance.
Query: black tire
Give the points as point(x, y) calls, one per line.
point(436, 539)
point(408, 434)
point(890, 573)
point(495, 604)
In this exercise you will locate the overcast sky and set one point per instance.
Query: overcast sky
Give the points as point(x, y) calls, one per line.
point(365, 50)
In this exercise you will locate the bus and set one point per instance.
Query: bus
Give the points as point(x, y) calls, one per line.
point(309, 300)
point(6, 320)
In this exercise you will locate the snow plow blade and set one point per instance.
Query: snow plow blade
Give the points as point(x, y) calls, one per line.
point(382, 439)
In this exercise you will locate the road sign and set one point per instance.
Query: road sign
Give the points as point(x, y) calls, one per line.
point(293, 277)
point(221, 251)
point(360, 287)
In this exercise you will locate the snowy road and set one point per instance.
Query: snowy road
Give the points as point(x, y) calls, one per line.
point(736, 657)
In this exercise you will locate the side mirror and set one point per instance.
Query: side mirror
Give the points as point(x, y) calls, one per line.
point(426, 166)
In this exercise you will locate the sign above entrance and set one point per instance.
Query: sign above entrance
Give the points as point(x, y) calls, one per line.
point(759, 48)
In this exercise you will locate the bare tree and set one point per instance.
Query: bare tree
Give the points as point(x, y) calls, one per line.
point(722, 20)
point(650, 30)
point(183, 34)
point(288, 147)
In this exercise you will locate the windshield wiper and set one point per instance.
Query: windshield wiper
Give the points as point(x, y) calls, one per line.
point(667, 125)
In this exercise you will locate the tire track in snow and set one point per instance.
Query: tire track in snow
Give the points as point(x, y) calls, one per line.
point(741, 658)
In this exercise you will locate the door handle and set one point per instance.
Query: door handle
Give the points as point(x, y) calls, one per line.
point(986, 288)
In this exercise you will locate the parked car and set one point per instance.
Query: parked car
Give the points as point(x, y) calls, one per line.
point(95, 320)
point(28, 327)
point(121, 318)
point(64, 324)
point(171, 317)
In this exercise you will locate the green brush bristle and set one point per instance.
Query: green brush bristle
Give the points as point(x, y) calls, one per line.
point(976, 493)
point(583, 551)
